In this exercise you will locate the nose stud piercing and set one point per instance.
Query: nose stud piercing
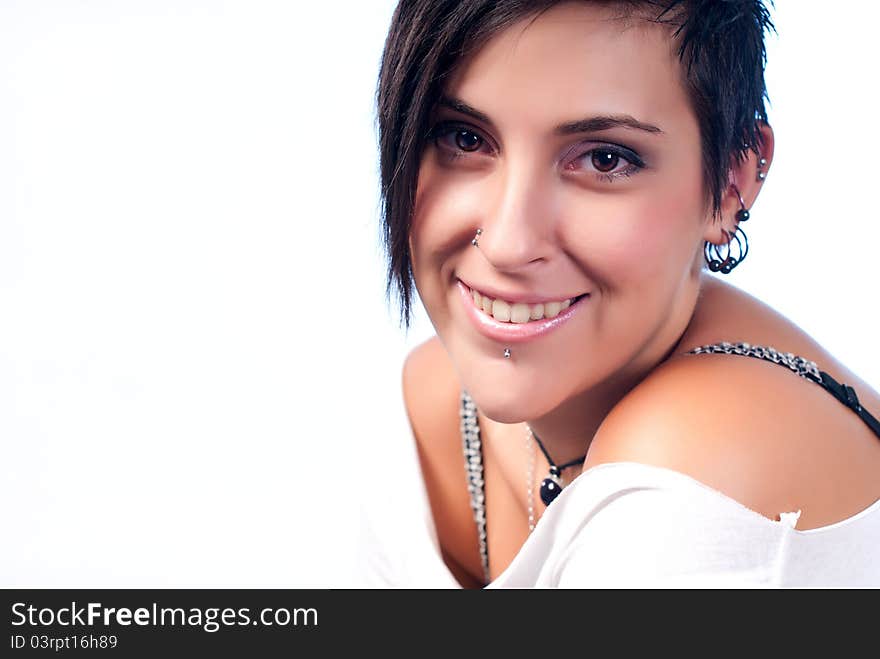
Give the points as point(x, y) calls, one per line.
point(507, 353)
point(476, 238)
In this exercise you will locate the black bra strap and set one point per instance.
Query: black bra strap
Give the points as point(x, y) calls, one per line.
point(803, 367)
point(847, 395)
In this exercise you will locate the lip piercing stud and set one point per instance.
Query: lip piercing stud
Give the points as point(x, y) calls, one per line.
point(476, 238)
point(507, 353)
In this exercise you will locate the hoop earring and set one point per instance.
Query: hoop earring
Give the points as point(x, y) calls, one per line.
point(712, 252)
point(742, 215)
point(728, 262)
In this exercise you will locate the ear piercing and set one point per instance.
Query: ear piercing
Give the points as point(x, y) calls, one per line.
point(761, 173)
point(742, 214)
point(728, 262)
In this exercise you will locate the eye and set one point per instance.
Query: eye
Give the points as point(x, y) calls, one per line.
point(605, 161)
point(457, 139)
point(467, 141)
point(608, 162)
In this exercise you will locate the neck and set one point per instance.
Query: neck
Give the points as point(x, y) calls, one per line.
point(568, 430)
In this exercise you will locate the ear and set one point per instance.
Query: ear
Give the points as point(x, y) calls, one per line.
point(745, 176)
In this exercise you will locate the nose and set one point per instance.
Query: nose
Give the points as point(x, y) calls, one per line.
point(517, 220)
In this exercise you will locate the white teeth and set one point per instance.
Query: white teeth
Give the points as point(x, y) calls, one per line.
point(552, 309)
point(501, 311)
point(519, 313)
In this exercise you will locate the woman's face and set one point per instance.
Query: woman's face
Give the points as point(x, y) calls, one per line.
point(570, 141)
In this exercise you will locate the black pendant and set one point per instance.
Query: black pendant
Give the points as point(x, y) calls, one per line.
point(550, 489)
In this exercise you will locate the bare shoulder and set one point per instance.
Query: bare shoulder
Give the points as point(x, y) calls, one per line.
point(751, 429)
point(431, 392)
point(727, 313)
point(430, 389)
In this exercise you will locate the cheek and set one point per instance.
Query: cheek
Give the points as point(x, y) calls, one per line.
point(667, 236)
point(445, 213)
point(645, 236)
point(438, 222)
point(424, 227)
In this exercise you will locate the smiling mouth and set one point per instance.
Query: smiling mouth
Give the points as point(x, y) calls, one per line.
point(520, 312)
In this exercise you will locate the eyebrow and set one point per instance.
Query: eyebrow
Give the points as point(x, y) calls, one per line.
point(588, 125)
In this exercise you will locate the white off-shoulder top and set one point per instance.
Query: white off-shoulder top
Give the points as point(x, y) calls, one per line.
point(624, 524)
point(627, 524)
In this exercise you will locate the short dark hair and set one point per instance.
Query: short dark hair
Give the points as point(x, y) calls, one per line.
point(721, 49)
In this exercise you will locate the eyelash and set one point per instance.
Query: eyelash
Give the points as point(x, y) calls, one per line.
point(635, 163)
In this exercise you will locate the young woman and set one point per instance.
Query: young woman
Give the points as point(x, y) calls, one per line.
point(560, 180)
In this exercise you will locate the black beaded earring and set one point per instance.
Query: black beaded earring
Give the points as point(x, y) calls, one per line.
point(728, 262)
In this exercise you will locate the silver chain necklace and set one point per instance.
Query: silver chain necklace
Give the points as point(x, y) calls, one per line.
point(530, 480)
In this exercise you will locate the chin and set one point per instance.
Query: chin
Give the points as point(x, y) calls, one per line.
point(505, 403)
point(501, 414)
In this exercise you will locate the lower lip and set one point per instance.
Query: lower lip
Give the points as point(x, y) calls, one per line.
point(514, 332)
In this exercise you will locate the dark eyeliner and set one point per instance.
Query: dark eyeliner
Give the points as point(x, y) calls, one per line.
point(445, 127)
point(621, 151)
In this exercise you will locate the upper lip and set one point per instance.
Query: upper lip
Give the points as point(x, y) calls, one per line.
point(524, 297)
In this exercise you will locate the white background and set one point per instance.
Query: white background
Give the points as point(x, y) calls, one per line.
point(196, 360)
